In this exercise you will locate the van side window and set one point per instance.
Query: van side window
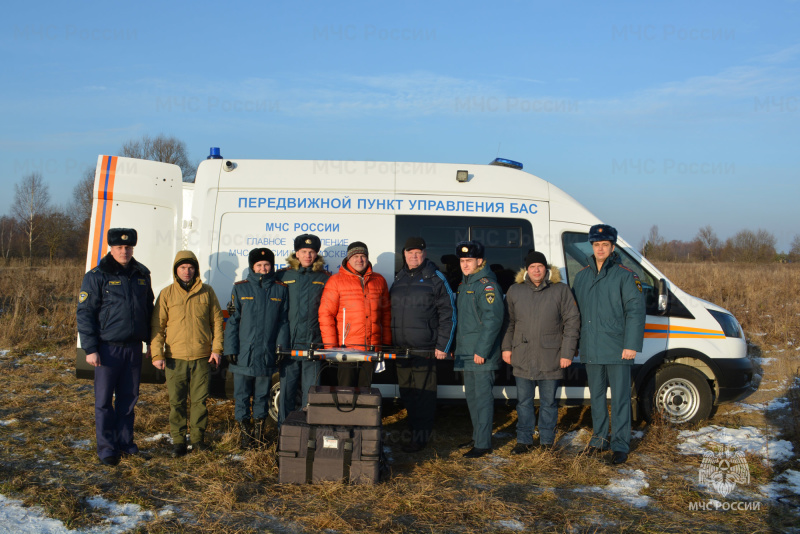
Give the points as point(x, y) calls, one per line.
point(506, 241)
point(578, 254)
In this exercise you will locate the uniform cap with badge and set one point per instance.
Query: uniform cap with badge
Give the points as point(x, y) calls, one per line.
point(117, 237)
point(469, 249)
point(307, 241)
point(602, 232)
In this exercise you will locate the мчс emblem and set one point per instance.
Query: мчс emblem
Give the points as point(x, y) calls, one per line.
point(724, 469)
point(490, 298)
point(83, 296)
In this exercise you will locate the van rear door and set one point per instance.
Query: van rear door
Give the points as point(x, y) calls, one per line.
point(147, 196)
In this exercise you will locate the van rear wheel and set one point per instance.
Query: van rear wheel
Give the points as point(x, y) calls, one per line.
point(680, 394)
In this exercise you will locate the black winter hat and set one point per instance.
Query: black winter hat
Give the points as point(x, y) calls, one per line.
point(469, 249)
point(260, 254)
point(602, 232)
point(414, 243)
point(357, 247)
point(307, 241)
point(535, 257)
point(121, 236)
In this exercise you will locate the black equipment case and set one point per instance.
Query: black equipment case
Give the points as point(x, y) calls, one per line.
point(337, 439)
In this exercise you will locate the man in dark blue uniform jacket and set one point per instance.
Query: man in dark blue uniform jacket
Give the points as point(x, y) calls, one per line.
point(114, 309)
point(258, 323)
point(423, 319)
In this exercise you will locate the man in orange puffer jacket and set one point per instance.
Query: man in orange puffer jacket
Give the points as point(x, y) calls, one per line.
point(355, 311)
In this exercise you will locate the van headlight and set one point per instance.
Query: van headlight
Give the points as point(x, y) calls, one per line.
point(728, 323)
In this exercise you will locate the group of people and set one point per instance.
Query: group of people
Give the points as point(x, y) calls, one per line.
point(536, 329)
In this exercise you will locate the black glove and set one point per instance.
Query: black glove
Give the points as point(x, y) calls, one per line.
point(232, 358)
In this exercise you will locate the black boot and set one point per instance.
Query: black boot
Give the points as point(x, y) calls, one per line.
point(261, 433)
point(245, 435)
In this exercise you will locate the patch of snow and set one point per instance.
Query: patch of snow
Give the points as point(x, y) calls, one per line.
point(81, 444)
point(8, 422)
point(786, 482)
point(775, 404)
point(745, 439)
point(158, 437)
point(3, 353)
point(764, 361)
point(576, 438)
point(235, 457)
point(14, 517)
point(759, 334)
point(627, 489)
point(511, 524)
point(637, 434)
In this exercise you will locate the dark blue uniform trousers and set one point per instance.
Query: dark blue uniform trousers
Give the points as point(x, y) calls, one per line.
point(116, 391)
point(255, 387)
point(480, 401)
point(618, 377)
point(294, 373)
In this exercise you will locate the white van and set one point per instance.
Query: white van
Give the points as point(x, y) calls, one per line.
point(694, 354)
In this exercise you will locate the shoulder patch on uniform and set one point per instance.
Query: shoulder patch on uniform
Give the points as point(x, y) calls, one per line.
point(488, 288)
point(240, 282)
point(83, 296)
point(490, 297)
point(484, 280)
point(638, 285)
point(142, 282)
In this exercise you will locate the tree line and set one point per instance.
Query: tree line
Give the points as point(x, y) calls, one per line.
point(745, 246)
point(37, 228)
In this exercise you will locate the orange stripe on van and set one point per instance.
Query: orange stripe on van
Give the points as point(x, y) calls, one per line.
point(102, 215)
point(661, 331)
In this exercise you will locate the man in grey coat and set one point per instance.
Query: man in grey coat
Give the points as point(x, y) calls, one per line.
point(540, 340)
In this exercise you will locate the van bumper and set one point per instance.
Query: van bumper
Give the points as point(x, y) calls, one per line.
point(734, 379)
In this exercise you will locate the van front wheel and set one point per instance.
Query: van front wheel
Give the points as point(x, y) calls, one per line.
point(680, 394)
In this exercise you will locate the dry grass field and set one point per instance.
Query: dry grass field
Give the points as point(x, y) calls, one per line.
point(48, 458)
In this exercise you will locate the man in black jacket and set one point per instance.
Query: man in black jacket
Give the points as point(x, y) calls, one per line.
point(114, 309)
point(423, 321)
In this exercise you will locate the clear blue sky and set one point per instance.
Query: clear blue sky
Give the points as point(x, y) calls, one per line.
point(679, 114)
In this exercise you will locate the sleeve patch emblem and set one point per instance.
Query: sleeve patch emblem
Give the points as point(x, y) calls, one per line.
point(83, 296)
point(638, 285)
point(488, 288)
point(490, 297)
point(142, 282)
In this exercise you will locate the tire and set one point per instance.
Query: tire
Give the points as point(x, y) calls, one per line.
point(274, 400)
point(680, 394)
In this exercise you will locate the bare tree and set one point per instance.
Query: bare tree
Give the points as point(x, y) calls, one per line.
point(794, 251)
point(752, 247)
point(59, 229)
point(8, 227)
point(82, 199)
point(162, 148)
point(708, 242)
point(31, 197)
point(654, 246)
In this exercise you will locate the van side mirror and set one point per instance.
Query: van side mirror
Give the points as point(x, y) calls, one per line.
point(663, 296)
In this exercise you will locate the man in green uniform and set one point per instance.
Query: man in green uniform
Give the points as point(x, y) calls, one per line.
point(609, 297)
point(305, 277)
point(258, 323)
point(480, 312)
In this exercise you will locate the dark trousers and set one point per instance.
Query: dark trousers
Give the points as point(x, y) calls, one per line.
point(187, 380)
point(355, 374)
point(116, 391)
point(480, 401)
point(257, 387)
point(417, 381)
point(618, 377)
point(293, 373)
